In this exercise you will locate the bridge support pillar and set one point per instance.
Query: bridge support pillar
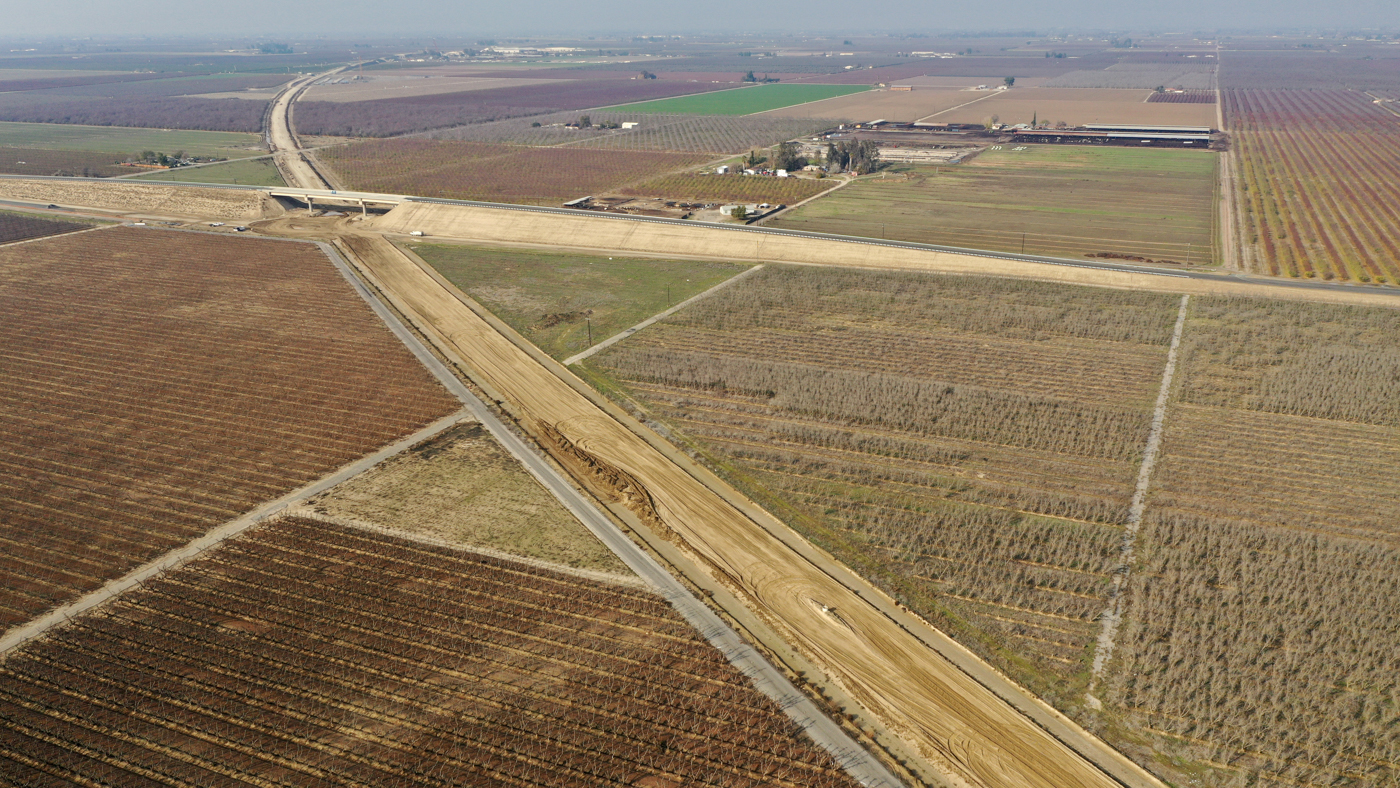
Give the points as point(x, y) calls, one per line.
point(310, 205)
point(364, 210)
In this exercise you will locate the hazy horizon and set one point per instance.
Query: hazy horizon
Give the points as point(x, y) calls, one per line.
point(164, 19)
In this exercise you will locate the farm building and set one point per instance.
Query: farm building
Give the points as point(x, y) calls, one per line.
point(1091, 137)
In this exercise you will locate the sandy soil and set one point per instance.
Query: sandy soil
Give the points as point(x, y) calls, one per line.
point(1077, 106)
point(144, 199)
point(401, 86)
point(956, 723)
point(897, 105)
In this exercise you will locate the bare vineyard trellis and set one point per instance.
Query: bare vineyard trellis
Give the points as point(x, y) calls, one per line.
point(161, 396)
point(318, 654)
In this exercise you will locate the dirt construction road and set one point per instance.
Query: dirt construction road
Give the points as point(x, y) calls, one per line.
point(957, 724)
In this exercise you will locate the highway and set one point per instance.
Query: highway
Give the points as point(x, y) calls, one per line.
point(325, 195)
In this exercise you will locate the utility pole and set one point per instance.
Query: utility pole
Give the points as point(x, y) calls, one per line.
point(1023, 243)
point(668, 296)
point(590, 331)
point(1188, 253)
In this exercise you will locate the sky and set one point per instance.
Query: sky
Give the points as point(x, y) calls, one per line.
point(565, 17)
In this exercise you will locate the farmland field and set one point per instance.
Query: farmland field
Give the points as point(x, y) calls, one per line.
point(42, 161)
point(1188, 97)
point(731, 188)
point(743, 101)
point(1080, 106)
point(129, 140)
point(306, 654)
point(1317, 183)
point(1262, 642)
point(399, 85)
point(170, 103)
point(149, 392)
point(892, 105)
point(258, 172)
point(384, 117)
point(22, 227)
point(967, 444)
point(682, 133)
point(546, 296)
point(461, 487)
point(1066, 201)
point(502, 173)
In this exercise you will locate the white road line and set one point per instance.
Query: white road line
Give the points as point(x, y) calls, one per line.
point(1113, 615)
point(621, 335)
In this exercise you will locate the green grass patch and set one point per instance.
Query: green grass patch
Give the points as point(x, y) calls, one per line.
point(225, 144)
point(551, 298)
point(1056, 200)
point(742, 101)
point(254, 172)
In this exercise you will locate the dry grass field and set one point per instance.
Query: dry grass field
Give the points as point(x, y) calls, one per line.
point(462, 487)
point(1262, 645)
point(43, 161)
point(308, 654)
point(1066, 201)
point(1077, 106)
point(156, 384)
point(967, 444)
point(555, 299)
point(892, 105)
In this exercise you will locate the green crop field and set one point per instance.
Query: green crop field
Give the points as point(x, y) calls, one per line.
point(743, 101)
point(551, 298)
point(118, 139)
point(1065, 201)
point(255, 172)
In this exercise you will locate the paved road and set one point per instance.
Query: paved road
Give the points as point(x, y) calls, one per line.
point(826, 733)
point(351, 197)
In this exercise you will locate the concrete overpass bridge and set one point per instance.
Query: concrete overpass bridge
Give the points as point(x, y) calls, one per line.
point(324, 197)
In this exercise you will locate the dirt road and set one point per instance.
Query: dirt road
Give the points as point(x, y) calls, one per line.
point(956, 723)
point(282, 137)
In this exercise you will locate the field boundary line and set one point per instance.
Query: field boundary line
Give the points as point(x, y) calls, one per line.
point(805, 103)
point(627, 332)
point(960, 106)
point(23, 241)
point(1113, 615)
point(610, 578)
point(197, 547)
point(766, 678)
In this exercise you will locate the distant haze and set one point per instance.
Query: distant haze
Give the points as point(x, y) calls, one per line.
point(165, 18)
